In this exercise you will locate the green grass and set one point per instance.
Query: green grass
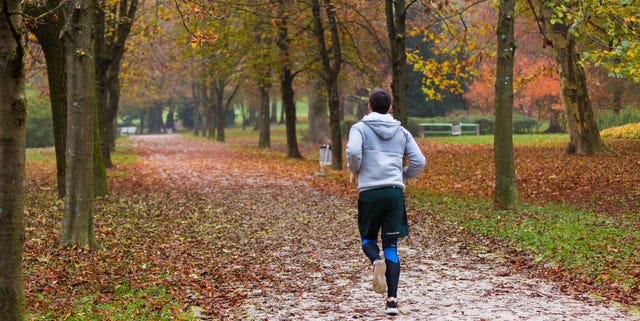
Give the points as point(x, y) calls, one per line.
point(121, 156)
point(124, 155)
point(126, 303)
point(41, 155)
point(522, 139)
point(599, 248)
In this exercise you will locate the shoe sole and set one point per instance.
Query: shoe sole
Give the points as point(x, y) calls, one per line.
point(379, 280)
point(392, 311)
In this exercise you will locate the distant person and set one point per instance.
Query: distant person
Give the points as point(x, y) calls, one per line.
point(375, 151)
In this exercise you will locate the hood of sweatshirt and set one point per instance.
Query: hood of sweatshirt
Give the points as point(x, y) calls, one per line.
point(384, 125)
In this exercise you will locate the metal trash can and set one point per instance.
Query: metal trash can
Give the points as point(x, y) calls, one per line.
point(325, 156)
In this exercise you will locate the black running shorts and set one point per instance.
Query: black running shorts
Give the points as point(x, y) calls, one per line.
point(382, 208)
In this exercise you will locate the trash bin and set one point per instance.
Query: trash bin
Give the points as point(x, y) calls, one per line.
point(325, 157)
point(456, 129)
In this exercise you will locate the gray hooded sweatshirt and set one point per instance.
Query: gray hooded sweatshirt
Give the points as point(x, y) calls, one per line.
point(375, 150)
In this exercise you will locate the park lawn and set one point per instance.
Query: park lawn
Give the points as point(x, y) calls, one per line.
point(518, 140)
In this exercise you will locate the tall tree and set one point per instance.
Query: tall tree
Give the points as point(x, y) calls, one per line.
point(331, 57)
point(113, 21)
point(286, 78)
point(77, 36)
point(560, 34)
point(396, 16)
point(505, 185)
point(13, 114)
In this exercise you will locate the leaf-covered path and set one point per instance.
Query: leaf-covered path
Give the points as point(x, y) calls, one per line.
point(268, 245)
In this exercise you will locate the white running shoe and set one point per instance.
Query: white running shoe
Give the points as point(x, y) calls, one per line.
point(379, 280)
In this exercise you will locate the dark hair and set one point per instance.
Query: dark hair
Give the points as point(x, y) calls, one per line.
point(380, 101)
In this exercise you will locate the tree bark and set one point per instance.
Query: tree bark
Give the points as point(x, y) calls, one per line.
point(274, 111)
point(156, 125)
point(318, 132)
point(170, 122)
point(264, 123)
point(99, 171)
point(48, 34)
point(583, 130)
point(219, 109)
point(13, 114)
point(286, 82)
point(505, 185)
point(396, 14)
point(196, 108)
point(554, 122)
point(77, 35)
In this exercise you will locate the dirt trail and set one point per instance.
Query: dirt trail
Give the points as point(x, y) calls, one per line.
point(306, 242)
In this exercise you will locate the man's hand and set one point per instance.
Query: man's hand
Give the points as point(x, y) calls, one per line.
point(351, 176)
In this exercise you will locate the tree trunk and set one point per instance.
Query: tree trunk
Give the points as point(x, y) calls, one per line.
point(103, 61)
point(396, 14)
point(505, 186)
point(196, 108)
point(318, 132)
point(13, 114)
point(170, 123)
point(220, 109)
point(48, 35)
point(286, 82)
point(334, 121)
point(77, 223)
point(282, 114)
point(113, 104)
point(274, 111)
point(583, 130)
point(289, 106)
point(156, 124)
point(143, 117)
point(99, 170)
point(331, 66)
point(264, 123)
point(554, 122)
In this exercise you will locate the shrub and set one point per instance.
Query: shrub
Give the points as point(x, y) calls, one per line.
point(625, 131)
point(607, 119)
